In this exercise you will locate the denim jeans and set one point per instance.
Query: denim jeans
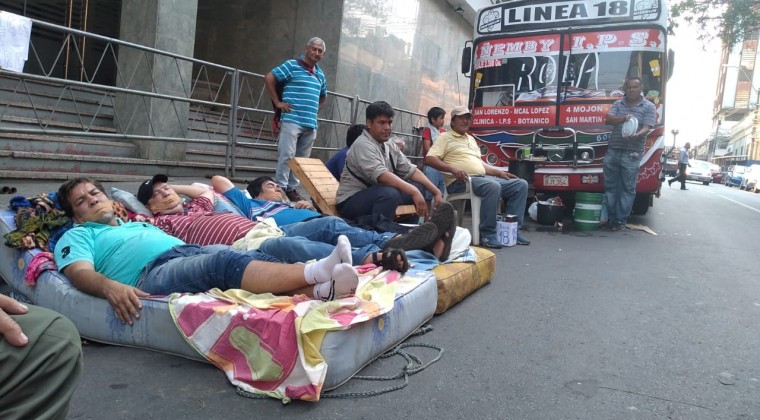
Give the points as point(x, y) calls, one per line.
point(436, 178)
point(377, 199)
point(294, 141)
point(621, 168)
point(316, 238)
point(195, 269)
point(491, 189)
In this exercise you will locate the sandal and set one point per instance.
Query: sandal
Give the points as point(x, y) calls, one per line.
point(448, 238)
point(389, 260)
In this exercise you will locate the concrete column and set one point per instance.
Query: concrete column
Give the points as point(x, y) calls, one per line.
point(167, 25)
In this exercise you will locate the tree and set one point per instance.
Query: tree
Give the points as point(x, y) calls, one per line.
point(732, 21)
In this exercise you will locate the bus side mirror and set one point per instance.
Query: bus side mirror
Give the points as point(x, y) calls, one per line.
point(466, 59)
point(671, 62)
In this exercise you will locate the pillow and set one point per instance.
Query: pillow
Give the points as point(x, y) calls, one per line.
point(130, 202)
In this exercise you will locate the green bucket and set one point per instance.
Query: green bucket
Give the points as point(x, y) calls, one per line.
point(587, 211)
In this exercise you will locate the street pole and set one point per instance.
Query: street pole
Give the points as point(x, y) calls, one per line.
point(711, 149)
point(675, 133)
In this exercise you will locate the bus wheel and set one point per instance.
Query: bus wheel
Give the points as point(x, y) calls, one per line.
point(641, 204)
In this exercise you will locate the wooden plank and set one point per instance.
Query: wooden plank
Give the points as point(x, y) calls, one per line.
point(302, 167)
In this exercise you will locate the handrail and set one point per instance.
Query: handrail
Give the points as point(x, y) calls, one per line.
point(238, 98)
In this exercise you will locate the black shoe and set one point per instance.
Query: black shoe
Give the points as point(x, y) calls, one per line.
point(293, 195)
point(670, 182)
point(684, 188)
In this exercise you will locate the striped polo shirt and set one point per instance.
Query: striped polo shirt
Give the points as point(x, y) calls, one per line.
point(200, 225)
point(303, 88)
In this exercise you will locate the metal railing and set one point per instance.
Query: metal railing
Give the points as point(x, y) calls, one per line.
point(208, 105)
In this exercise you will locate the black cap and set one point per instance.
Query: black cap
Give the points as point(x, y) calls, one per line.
point(146, 188)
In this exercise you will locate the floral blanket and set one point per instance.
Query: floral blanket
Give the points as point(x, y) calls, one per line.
point(269, 344)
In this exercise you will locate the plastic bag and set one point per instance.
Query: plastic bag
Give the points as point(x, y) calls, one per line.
point(533, 211)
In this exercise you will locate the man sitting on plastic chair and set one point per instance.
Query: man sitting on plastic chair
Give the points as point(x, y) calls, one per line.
point(457, 153)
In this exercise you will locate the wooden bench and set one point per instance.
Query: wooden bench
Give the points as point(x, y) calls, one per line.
point(322, 185)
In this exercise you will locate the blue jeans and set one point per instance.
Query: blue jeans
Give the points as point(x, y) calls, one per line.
point(195, 269)
point(294, 141)
point(377, 199)
point(316, 238)
point(621, 168)
point(491, 189)
point(436, 178)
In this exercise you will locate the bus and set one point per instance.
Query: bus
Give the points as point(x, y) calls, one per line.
point(544, 74)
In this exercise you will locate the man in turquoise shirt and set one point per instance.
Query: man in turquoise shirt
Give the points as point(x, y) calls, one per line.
point(122, 262)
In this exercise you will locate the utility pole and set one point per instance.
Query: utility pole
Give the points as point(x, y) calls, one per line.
point(711, 149)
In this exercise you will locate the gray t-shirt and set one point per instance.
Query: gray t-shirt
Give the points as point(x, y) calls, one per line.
point(644, 111)
point(366, 160)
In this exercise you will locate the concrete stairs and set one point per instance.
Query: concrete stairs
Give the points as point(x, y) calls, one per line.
point(57, 131)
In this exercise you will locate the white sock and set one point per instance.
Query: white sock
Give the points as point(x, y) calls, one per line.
point(344, 282)
point(321, 271)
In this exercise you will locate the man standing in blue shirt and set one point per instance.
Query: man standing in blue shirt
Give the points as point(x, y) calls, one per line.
point(683, 162)
point(624, 152)
point(304, 89)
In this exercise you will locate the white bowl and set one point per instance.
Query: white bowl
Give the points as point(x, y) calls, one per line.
point(630, 127)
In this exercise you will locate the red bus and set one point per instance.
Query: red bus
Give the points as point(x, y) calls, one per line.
point(543, 75)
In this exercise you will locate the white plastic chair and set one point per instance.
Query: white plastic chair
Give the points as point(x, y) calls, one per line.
point(459, 207)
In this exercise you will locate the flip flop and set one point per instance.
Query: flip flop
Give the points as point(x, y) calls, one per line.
point(421, 237)
point(443, 217)
point(448, 239)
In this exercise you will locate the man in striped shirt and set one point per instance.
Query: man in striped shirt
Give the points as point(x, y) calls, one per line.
point(304, 89)
point(197, 223)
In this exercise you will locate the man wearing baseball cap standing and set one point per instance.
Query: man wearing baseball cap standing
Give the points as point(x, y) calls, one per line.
point(457, 153)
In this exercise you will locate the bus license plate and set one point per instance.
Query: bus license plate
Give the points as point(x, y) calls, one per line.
point(556, 181)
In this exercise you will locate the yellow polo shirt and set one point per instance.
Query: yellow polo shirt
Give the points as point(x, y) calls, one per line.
point(460, 151)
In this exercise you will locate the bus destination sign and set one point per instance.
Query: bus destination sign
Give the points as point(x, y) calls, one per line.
point(517, 15)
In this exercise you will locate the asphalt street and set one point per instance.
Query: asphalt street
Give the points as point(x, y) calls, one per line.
point(578, 325)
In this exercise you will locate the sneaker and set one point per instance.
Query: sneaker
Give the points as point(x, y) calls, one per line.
point(616, 226)
point(421, 237)
point(522, 241)
point(492, 243)
point(293, 195)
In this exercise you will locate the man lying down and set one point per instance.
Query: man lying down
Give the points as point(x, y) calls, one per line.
point(104, 256)
point(310, 236)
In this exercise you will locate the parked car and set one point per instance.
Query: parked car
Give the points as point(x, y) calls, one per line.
point(751, 176)
point(717, 174)
point(734, 175)
point(670, 167)
point(699, 170)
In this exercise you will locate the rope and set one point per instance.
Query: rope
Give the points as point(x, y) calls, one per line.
point(413, 365)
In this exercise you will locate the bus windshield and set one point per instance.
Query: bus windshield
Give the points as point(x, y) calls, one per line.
point(589, 67)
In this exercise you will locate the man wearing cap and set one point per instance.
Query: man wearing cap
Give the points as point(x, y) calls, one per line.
point(197, 223)
point(624, 152)
point(377, 176)
point(456, 153)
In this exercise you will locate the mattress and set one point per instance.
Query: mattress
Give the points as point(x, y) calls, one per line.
point(345, 352)
point(456, 281)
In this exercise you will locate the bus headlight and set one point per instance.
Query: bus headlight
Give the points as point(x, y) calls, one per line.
point(483, 150)
point(491, 159)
